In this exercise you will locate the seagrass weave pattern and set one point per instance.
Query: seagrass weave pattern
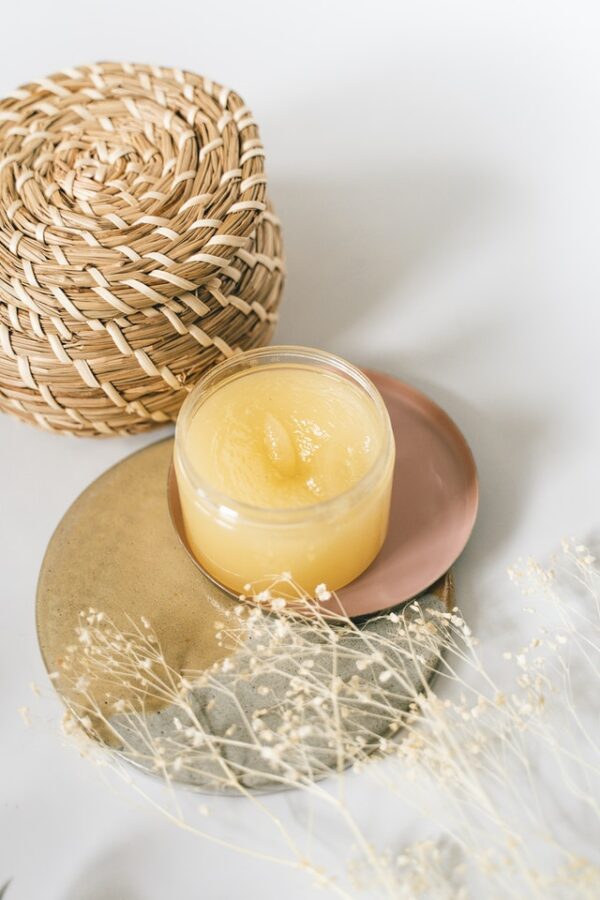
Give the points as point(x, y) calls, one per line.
point(137, 244)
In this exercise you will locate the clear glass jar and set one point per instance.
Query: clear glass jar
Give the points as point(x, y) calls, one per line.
point(328, 542)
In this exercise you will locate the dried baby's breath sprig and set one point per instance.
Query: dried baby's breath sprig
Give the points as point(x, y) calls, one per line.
point(303, 693)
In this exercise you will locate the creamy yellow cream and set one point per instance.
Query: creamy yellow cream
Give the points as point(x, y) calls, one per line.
point(283, 439)
point(266, 464)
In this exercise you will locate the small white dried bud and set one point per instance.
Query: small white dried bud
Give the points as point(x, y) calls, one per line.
point(197, 739)
point(278, 603)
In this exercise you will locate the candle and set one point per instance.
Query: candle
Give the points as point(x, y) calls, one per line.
point(284, 459)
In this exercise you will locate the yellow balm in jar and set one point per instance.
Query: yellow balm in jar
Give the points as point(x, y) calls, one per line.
point(284, 459)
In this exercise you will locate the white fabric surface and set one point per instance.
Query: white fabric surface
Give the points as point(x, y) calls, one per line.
point(436, 168)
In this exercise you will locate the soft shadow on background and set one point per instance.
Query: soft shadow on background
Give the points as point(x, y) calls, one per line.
point(352, 246)
point(349, 243)
point(112, 875)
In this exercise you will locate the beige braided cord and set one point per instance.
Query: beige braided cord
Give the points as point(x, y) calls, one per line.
point(137, 244)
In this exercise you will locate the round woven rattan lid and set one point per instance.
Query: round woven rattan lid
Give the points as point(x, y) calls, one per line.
point(137, 244)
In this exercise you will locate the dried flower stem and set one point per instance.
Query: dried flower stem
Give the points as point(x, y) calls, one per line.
point(339, 695)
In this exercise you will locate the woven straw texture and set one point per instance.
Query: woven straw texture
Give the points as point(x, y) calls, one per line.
point(137, 244)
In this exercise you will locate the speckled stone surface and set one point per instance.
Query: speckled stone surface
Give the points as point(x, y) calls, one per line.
point(227, 705)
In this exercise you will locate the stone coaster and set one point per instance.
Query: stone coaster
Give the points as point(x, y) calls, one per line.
point(116, 551)
point(224, 707)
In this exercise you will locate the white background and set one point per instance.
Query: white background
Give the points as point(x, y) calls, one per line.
point(436, 166)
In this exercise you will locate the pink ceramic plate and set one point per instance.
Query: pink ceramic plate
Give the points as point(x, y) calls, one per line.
point(434, 503)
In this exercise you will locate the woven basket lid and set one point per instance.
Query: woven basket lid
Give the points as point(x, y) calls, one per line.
point(137, 244)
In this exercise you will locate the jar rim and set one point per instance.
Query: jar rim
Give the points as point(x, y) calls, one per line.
point(280, 355)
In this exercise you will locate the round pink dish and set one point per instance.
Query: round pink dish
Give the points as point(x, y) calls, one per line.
point(434, 503)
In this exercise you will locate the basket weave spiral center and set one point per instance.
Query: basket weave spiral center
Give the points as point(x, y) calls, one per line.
point(137, 244)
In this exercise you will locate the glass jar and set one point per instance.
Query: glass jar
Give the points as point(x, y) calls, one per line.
point(328, 542)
